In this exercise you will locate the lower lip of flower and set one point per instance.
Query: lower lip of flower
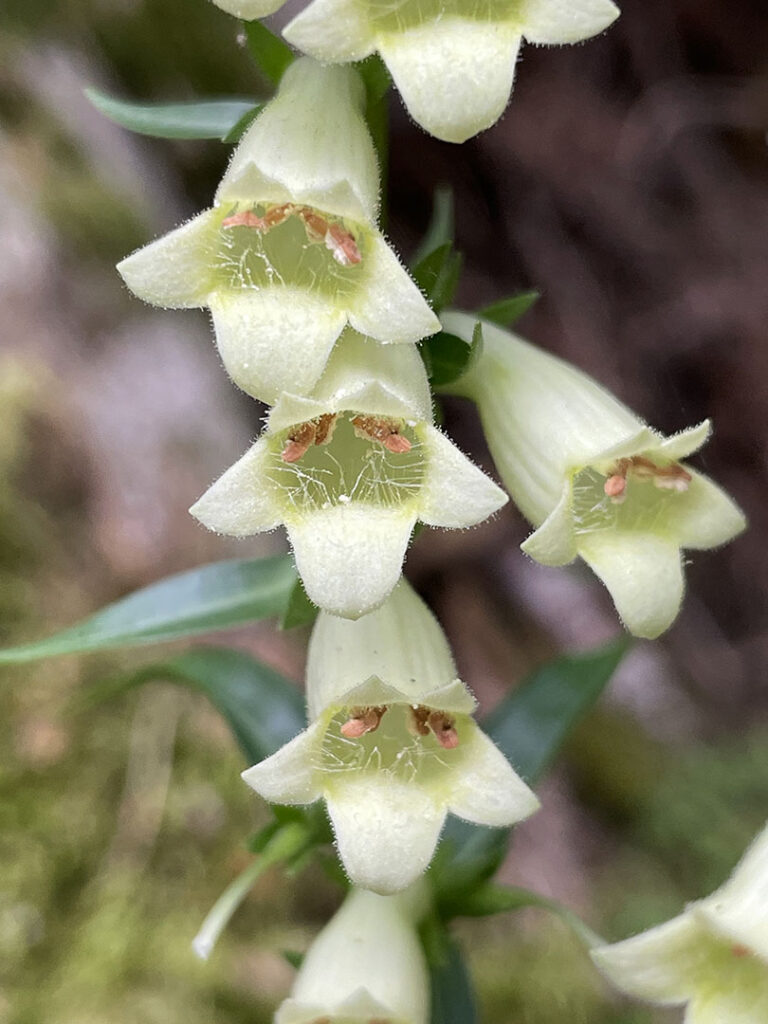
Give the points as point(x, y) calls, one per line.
point(633, 494)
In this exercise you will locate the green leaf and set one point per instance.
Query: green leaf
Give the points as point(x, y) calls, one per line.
point(529, 727)
point(300, 611)
point(441, 225)
point(376, 78)
point(293, 957)
point(498, 899)
point(506, 312)
point(453, 1001)
point(438, 274)
point(216, 596)
point(271, 54)
point(206, 119)
point(447, 357)
point(238, 131)
point(264, 710)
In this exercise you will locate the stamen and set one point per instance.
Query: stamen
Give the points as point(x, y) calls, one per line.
point(614, 487)
point(738, 950)
point(444, 728)
point(342, 245)
point(384, 431)
point(299, 441)
point(416, 720)
point(325, 425)
point(246, 219)
point(671, 478)
point(362, 721)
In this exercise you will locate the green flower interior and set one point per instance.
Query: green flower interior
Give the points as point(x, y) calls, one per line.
point(398, 15)
point(646, 508)
point(290, 252)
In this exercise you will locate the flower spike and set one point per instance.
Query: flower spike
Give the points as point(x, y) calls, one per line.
point(712, 957)
point(290, 252)
point(454, 61)
point(391, 746)
point(594, 480)
point(349, 470)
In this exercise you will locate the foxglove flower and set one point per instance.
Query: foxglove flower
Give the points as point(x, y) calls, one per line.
point(593, 478)
point(391, 746)
point(365, 966)
point(453, 61)
point(349, 470)
point(290, 251)
point(713, 957)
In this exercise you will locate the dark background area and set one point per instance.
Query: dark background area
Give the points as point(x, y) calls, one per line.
point(628, 182)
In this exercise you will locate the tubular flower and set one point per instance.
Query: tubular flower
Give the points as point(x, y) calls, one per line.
point(365, 967)
point(593, 478)
point(249, 9)
point(290, 251)
point(391, 745)
point(349, 470)
point(452, 60)
point(714, 956)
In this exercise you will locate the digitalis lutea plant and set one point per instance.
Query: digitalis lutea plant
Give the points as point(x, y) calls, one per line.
point(290, 252)
point(594, 480)
point(349, 469)
point(391, 746)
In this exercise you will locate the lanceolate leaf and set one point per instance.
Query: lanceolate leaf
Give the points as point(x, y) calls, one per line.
point(271, 54)
point(263, 708)
point(453, 1001)
point(438, 274)
point(299, 611)
point(506, 312)
point(216, 596)
point(440, 229)
point(446, 356)
point(529, 726)
point(206, 119)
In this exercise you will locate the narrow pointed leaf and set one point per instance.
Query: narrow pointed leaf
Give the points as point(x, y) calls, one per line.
point(529, 726)
point(438, 275)
point(213, 597)
point(264, 710)
point(441, 225)
point(453, 1000)
point(271, 54)
point(241, 127)
point(204, 119)
point(299, 611)
point(506, 312)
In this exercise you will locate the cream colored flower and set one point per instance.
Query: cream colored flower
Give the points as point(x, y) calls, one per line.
point(290, 252)
point(713, 957)
point(592, 477)
point(391, 746)
point(365, 966)
point(349, 470)
point(452, 60)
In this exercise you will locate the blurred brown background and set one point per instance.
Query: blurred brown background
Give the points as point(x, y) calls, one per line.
point(628, 182)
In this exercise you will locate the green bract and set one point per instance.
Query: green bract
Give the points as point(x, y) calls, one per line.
point(714, 956)
point(290, 252)
point(452, 60)
point(365, 966)
point(592, 477)
point(249, 9)
point(349, 470)
point(391, 746)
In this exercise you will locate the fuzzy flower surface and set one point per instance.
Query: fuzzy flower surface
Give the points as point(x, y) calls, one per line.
point(392, 746)
point(713, 957)
point(349, 470)
point(453, 61)
point(249, 9)
point(595, 480)
point(290, 252)
point(365, 967)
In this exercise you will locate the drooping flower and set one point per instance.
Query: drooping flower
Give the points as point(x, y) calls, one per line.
point(594, 479)
point(391, 746)
point(249, 9)
point(712, 957)
point(290, 251)
point(452, 60)
point(365, 967)
point(349, 470)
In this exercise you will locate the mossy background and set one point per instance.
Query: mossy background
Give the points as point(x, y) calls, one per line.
point(628, 183)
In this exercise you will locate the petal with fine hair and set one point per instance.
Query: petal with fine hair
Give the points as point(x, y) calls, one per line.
point(643, 573)
point(350, 556)
point(554, 543)
point(388, 305)
point(686, 442)
point(565, 21)
point(386, 830)
point(288, 776)
point(485, 788)
point(704, 516)
point(455, 493)
point(240, 502)
point(176, 271)
point(275, 339)
point(332, 30)
point(455, 75)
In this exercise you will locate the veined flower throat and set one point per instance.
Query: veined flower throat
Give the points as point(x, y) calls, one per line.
point(632, 494)
point(335, 459)
point(266, 244)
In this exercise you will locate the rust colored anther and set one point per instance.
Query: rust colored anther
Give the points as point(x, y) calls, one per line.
point(444, 728)
point(342, 245)
point(246, 219)
point(362, 721)
point(384, 431)
point(740, 951)
point(416, 722)
point(299, 441)
point(615, 486)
